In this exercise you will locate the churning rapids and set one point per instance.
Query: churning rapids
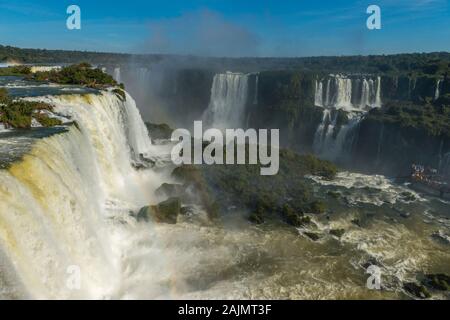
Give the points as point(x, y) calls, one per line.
point(66, 201)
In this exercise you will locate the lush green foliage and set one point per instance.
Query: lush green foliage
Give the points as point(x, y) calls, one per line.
point(77, 74)
point(15, 71)
point(286, 194)
point(159, 131)
point(433, 119)
point(19, 113)
point(415, 63)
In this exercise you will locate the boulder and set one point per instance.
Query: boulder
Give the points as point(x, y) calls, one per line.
point(337, 232)
point(438, 281)
point(256, 217)
point(356, 222)
point(169, 189)
point(317, 207)
point(312, 235)
point(187, 211)
point(417, 290)
point(164, 212)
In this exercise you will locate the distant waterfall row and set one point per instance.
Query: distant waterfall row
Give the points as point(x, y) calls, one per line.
point(342, 92)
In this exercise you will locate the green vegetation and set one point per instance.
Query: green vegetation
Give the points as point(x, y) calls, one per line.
point(286, 195)
point(159, 131)
point(15, 71)
point(19, 113)
point(77, 74)
point(317, 207)
point(433, 119)
point(436, 63)
point(120, 93)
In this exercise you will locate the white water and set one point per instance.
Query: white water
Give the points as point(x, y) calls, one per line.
point(330, 145)
point(349, 94)
point(229, 95)
point(318, 95)
point(255, 100)
point(437, 91)
point(63, 204)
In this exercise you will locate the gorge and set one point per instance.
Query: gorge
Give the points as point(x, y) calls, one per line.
point(83, 193)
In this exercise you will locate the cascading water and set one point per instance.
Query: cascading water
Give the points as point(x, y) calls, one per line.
point(255, 99)
point(229, 96)
point(318, 95)
point(116, 75)
point(59, 204)
point(354, 96)
point(333, 145)
point(438, 89)
point(346, 93)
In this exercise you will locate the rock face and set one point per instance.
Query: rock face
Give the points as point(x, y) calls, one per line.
point(164, 212)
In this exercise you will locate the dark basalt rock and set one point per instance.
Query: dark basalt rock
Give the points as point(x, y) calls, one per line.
point(159, 131)
point(417, 290)
point(256, 217)
point(164, 212)
point(317, 207)
point(312, 235)
point(337, 232)
point(405, 215)
point(170, 190)
point(437, 281)
point(356, 222)
point(187, 211)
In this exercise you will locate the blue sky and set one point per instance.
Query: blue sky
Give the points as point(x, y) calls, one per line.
point(229, 27)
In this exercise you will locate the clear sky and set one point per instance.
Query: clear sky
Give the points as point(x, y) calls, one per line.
point(229, 27)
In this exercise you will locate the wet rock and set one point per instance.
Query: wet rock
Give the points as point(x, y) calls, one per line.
point(187, 211)
point(405, 215)
point(256, 218)
point(438, 281)
point(334, 194)
point(417, 290)
point(317, 207)
point(441, 237)
point(170, 190)
point(298, 220)
point(372, 261)
point(164, 212)
point(159, 131)
point(356, 222)
point(312, 235)
point(337, 232)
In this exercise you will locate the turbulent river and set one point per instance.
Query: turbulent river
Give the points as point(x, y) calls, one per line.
point(67, 195)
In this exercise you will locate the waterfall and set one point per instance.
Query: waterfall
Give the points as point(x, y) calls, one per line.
point(318, 95)
point(60, 203)
point(346, 93)
point(437, 91)
point(332, 145)
point(255, 100)
point(328, 93)
point(365, 94)
point(116, 75)
point(229, 95)
point(378, 94)
point(343, 94)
